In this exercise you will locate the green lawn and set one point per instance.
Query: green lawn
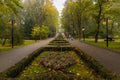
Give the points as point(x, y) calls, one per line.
point(8, 46)
point(112, 45)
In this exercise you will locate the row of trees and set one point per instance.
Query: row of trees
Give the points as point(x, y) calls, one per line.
point(26, 15)
point(91, 14)
point(41, 13)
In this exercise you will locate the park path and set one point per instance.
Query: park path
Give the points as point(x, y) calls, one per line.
point(10, 58)
point(109, 59)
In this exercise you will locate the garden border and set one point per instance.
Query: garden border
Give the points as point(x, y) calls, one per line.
point(20, 66)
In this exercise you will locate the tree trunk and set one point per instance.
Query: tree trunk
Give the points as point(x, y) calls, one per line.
point(111, 30)
point(79, 26)
point(98, 22)
point(97, 33)
point(4, 41)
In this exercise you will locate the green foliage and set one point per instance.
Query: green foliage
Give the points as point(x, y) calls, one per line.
point(78, 14)
point(9, 11)
point(8, 7)
point(75, 16)
point(40, 32)
point(36, 32)
point(39, 13)
point(44, 32)
point(18, 36)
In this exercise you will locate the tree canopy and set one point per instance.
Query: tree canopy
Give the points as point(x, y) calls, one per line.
point(90, 14)
point(76, 15)
point(40, 12)
point(26, 14)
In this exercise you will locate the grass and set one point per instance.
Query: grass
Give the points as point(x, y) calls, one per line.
point(112, 45)
point(35, 68)
point(7, 47)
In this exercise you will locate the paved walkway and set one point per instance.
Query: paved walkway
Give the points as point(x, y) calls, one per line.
point(109, 59)
point(9, 58)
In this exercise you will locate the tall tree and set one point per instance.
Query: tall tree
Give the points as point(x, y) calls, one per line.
point(73, 13)
point(8, 10)
point(102, 9)
point(40, 12)
point(90, 17)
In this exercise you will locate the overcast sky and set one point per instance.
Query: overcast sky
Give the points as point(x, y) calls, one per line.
point(59, 4)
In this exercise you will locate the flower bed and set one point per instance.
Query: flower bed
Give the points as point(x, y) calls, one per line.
point(57, 60)
point(77, 70)
point(70, 65)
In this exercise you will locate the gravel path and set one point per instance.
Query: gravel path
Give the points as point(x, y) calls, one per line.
point(109, 59)
point(9, 58)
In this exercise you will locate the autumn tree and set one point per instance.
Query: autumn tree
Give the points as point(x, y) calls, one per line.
point(77, 14)
point(39, 12)
point(103, 9)
point(40, 32)
point(8, 10)
point(74, 14)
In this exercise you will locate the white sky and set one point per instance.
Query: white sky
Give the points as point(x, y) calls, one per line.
point(59, 4)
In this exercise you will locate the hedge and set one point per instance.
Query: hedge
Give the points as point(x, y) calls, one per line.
point(15, 70)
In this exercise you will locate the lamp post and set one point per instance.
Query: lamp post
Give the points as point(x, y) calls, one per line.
point(12, 41)
point(83, 30)
point(107, 31)
point(12, 23)
point(106, 22)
